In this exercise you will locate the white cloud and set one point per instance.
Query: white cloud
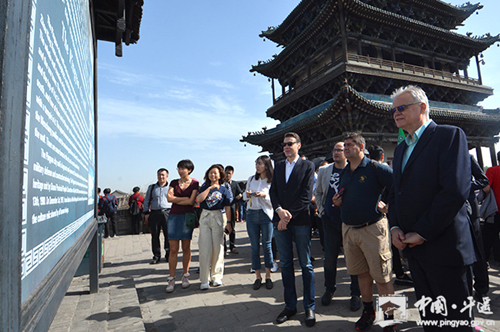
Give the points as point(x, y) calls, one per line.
point(192, 126)
point(174, 93)
point(219, 84)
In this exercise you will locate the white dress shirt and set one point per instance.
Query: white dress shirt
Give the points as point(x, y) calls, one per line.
point(289, 167)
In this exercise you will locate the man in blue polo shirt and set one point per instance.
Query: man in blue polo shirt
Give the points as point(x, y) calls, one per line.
point(365, 229)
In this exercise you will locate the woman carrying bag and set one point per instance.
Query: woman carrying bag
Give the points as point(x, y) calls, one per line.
point(182, 194)
point(213, 199)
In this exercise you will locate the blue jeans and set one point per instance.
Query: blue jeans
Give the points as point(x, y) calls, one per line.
point(284, 241)
point(242, 209)
point(332, 232)
point(257, 222)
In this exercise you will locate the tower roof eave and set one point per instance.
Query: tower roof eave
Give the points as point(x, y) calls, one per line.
point(399, 21)
point(275, 33)
point(326, 113)
point(460, 12)
point(376, 14)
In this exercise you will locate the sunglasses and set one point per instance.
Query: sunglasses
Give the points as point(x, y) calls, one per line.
point(401, 108)
point(287, 143)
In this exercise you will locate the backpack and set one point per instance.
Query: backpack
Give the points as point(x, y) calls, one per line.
point(134, 207)
point(110, 205)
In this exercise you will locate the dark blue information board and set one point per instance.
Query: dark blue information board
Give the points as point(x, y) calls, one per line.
point(59, 160)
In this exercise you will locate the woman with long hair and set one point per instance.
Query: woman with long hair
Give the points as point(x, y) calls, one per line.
point(182, 194)
point(213, 198)
point(259, 218)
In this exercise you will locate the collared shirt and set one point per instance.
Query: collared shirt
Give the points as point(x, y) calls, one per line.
point(289, 167)
point(259, 202)
point(362, 189)
point(412, 143)
point(157, 195)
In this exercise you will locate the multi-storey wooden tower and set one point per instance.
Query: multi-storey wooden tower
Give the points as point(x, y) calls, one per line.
point(341, 60)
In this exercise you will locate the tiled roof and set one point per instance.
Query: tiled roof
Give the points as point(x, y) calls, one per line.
point(275, 33)
point(329, 110)
point(384, 17)
point(461, 13)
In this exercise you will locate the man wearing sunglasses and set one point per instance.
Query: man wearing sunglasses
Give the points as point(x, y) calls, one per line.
point(427, 211)
point(291, 191)
point(327, 185)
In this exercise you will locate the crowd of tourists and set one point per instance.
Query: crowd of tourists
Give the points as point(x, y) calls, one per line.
point(425, 206)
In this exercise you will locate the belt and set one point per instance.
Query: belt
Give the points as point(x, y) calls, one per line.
point(371, 222)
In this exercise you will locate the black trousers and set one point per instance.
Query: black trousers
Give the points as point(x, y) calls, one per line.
point(480, 267)
point(332, 230)
point(490, 235)
point(397, 267)
point(157, 222)
point(110, 229)
point(137, 223)
point(437, 282)
point(232, 235)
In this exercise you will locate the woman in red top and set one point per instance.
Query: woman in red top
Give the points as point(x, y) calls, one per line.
point(182, 194)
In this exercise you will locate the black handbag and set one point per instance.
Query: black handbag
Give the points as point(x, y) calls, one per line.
point(191, 220)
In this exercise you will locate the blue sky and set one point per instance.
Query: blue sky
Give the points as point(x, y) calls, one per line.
point(185, 90)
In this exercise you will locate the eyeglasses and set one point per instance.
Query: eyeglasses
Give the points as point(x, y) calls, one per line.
point(287, 143)
point(401, 108)
point(338, 150)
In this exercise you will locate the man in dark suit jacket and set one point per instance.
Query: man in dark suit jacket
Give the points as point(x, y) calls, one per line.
point(427, 211)
point(291, 191)
point(237, 195)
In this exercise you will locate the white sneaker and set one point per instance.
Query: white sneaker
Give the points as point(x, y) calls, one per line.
point(252, 270)
point(204, 286)
point(185, 280)
point(216, 283)
point(170, 284)
point(275, 267)
point(115, 235)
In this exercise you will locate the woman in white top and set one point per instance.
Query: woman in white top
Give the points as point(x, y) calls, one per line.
point(259, 218)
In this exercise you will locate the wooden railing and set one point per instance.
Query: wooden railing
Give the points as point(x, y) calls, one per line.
point(406, 68)
point(381, 64)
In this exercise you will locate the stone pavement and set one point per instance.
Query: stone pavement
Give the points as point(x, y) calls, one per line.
point(132, 296)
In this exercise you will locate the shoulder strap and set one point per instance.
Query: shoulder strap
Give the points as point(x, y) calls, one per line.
point(151, 194)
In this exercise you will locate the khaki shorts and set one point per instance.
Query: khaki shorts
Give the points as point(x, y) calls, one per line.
point(368, 249)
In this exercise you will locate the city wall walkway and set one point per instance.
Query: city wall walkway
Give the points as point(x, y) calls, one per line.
point(132, 296)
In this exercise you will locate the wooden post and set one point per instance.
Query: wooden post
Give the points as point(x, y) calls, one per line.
point(493, 155)
point(272, 88)
point(479, 73)
point(479, 155)
point(342, 32)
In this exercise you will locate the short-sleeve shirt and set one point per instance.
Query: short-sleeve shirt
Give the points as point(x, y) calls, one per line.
point(216, 199)
point(334, 186)
point(179, 192)
point(363, 189)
